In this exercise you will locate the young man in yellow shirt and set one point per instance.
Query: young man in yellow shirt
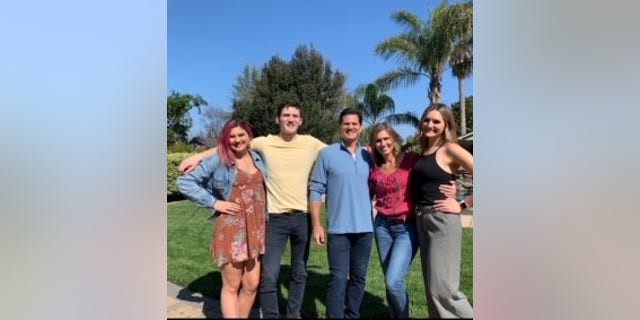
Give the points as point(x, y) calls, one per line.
point(288, 158)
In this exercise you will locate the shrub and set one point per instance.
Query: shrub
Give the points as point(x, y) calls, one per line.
point(180, 147)
point(173, 161)
point(467, 144)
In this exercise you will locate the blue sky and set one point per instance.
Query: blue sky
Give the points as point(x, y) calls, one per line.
point(209, 42)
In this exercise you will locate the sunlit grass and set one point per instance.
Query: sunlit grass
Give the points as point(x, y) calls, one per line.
point(189, 265)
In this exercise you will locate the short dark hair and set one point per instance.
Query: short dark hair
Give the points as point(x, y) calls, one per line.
point(289, 104)
point(349, 111)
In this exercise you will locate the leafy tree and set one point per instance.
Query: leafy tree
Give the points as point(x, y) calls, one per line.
point(213, 119)
point(244, 89)
point(456, 107)
point(422, 50)
point(263, 93)
point(307, 79)
point(245, 94)
point(412, 144)
point(178, 121)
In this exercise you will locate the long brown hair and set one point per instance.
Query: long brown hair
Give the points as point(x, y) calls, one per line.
point(449, 124)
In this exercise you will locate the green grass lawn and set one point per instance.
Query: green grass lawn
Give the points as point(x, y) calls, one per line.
point(189, 265)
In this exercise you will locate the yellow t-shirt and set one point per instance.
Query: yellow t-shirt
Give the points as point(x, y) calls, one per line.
point(288, 165)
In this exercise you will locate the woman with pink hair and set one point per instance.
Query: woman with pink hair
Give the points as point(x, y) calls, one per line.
point(232, 183)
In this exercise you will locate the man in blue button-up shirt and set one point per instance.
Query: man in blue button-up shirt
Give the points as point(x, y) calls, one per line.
point(341, 173)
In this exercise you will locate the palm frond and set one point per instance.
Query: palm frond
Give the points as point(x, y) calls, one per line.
point(408, 117)
point(400, 77)
point(405, 18)
point(400, 47)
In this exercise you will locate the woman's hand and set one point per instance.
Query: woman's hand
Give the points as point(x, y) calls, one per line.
point(448, 205)
point(449, 190)
point(226, 207)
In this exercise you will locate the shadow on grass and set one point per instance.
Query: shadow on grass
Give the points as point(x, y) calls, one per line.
point(371, 307)
point(209, 287)
point(210, 284)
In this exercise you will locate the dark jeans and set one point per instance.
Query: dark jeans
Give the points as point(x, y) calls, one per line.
point(294, 226)
point(348, 254)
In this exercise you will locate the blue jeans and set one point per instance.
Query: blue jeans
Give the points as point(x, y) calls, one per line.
point(397, 244)
point(281, 227)
point(347, 253)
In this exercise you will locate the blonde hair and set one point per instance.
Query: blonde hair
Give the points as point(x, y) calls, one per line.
point(449, 125)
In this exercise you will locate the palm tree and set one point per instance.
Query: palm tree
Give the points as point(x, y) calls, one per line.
point(375, 103)
point(423, 50)
point(461, 57)
point(376, 106)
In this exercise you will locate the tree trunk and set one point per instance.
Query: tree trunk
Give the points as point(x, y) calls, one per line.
point(463, 111)
point(435, 84)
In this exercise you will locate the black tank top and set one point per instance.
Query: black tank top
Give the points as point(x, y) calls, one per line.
point(425, 179)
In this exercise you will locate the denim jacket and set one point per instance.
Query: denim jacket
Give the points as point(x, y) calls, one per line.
point(210, 181)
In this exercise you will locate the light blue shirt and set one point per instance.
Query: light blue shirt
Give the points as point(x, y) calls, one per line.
point(342, 178)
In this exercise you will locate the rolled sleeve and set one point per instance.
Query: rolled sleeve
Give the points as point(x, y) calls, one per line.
point(191, 185)
point(318, 183)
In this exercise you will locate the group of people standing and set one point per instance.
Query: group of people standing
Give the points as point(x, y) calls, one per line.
point(259, 190)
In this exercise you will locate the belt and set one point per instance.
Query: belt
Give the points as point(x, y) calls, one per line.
point(290, 212)
point(395, 219)
point(420, 210)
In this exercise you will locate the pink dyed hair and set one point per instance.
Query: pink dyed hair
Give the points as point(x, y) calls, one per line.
point(224, 146)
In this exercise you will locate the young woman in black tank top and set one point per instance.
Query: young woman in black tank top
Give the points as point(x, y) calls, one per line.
point(427, 178)
point(437, 218)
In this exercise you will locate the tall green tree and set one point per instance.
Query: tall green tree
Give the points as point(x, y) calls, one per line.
point(422, 50)
point(245, 87)
point(307, 79)
point(257, 105)
point(178, 120)
point(461, 57)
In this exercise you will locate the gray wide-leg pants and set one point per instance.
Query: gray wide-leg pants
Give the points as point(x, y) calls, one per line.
point(440, 238)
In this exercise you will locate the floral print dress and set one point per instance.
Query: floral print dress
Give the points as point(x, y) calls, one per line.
point(241, 237)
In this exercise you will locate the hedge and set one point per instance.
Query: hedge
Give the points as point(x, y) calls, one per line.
point(173, 161)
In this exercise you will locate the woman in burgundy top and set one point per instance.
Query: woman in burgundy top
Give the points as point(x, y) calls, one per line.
point(437, 217)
